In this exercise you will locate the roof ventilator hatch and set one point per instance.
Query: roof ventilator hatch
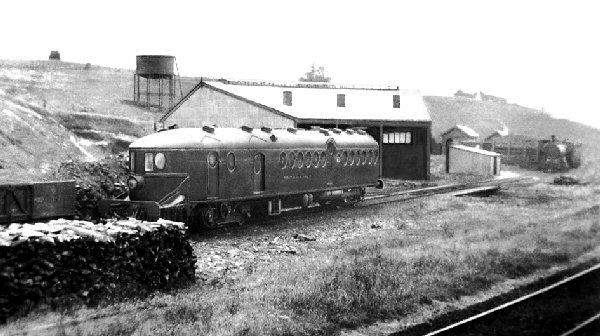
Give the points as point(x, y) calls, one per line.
point(247, 129)
point(266, 129)
point(292, 130)
point(208, 129)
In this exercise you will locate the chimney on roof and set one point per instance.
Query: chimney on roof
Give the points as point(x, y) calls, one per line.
point(287, 98)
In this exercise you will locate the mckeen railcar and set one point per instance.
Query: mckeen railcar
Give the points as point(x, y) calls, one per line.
point(210, 175)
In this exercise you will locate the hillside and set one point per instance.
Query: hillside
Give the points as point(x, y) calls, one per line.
point(485, 117)
point(54, 111)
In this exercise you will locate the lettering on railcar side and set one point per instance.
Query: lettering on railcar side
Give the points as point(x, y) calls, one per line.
point(295, 177)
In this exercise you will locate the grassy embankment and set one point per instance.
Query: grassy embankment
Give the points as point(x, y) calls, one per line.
point(59, 111)
point(427, 252)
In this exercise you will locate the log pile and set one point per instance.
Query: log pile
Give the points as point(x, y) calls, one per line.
point(79, 261)
point(94, 181)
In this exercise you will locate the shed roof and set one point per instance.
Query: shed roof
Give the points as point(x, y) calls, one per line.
point(498, 133)
point(475, 150)
point(465, 129)
point(318, 101)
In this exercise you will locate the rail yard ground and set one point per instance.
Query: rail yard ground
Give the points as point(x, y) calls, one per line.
point(355, 271)
point(364, 270)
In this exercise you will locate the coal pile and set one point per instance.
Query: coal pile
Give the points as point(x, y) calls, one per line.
point(72, 261)
point(95, 181)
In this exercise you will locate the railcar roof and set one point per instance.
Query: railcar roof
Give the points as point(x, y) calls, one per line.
point(238, 138)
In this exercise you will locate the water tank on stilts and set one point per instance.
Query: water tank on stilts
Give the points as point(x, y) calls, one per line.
point(154, 81)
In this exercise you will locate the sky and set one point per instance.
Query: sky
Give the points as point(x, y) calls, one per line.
point(539, 54)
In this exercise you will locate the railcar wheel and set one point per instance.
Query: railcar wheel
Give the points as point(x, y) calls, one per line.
point(207, 214)
point(225, 210)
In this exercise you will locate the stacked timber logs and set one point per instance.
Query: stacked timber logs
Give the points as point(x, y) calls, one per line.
point(78, 261)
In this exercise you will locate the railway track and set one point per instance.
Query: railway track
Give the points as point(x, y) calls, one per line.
point(371, 200)
point(456, 189)
point(567, 306)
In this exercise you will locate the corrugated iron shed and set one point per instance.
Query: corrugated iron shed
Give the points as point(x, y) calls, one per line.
point(318, 102)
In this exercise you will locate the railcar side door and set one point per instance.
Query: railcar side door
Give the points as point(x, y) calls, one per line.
point(212, 183)
point(259, 173)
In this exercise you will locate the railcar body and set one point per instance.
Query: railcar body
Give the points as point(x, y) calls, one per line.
point(208, 175)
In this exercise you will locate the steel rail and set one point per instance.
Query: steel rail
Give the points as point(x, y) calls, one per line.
point(514, 302)
point(582, 325)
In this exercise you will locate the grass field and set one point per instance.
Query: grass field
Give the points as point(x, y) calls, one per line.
point(424, 256)
point(427, 254)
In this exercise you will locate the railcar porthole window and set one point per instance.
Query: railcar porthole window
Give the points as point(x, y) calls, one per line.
point(291, 160)
point(345, 158)
point(323, 159)
point(300, 160)
point(364, 157)
point(282, 160)
point(351, 158)
point(212, 159)
point(307, 159)
point(370, 156)
point(315, 160)
point(231, 161)
point(160, 161)
point(376, 157)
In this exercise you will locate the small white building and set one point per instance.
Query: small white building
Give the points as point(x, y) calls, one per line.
point(475, 161)
point(459, 134)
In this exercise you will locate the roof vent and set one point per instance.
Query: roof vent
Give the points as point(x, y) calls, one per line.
point(350, 131)
point(361, 132)
point(324, 131)
point(208, 129)
point(266, 129)
point(292, 130)
point(247, 129)
point(273, 137)
point(336, 130)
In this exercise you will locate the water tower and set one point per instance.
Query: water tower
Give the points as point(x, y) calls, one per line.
point(159, 87)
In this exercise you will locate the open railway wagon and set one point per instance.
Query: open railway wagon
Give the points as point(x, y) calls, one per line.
point(208, 176)
point(21, 202)
point(547, 155)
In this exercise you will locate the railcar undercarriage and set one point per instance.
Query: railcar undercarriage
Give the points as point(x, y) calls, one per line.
point(198, 215)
